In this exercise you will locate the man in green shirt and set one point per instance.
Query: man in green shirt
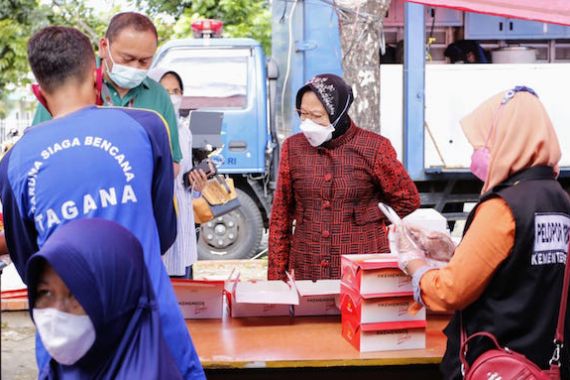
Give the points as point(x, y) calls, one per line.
point(126, 54)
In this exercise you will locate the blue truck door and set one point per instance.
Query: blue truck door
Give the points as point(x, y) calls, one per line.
point(305, 35)
point(246, 132)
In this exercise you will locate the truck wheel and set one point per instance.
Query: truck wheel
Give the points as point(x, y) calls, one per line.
point(235, 235)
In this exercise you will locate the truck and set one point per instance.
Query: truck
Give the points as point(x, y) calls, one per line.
point(257, 97)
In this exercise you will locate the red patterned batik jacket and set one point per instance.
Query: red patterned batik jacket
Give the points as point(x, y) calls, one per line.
point(330, 195)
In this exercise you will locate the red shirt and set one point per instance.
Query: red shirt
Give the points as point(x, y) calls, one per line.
point(332, 192)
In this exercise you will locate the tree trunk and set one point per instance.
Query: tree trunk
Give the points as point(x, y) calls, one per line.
point(360, 32)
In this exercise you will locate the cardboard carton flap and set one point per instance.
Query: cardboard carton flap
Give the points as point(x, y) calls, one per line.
point(386, 295)
point(197, 283)
point(266, 292)
point(397, 325)
point(318, 288)
point(373, 261)
point(348, 291)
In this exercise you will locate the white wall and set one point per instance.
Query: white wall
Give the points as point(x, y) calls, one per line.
point(453, 91)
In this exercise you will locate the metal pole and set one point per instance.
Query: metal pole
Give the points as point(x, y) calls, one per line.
point(414, 90)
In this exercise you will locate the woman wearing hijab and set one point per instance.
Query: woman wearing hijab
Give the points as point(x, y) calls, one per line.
point(331, 178)
point(94, 308)
point(505, 277)
point(179, 259)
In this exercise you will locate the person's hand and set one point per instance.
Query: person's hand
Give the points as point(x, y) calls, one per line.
point(436, 245)
point(197, 179)
point(175, 169)
point(410, 255)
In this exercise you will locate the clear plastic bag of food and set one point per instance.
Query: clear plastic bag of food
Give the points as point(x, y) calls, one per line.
point(438, 247)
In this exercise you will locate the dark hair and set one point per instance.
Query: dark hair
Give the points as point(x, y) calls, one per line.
point(57, 54)
point(459, 50)
point(136, 21)
point(175, 75)
point(454, 53)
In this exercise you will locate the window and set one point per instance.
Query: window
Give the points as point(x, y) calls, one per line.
point(212, 78)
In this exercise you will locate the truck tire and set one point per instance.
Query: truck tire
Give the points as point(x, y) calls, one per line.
point(236, 235)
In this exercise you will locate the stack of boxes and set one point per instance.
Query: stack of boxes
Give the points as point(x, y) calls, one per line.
point(375, 297)
point(375, 301)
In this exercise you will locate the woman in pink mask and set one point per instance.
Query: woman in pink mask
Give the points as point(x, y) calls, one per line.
point(506, 274)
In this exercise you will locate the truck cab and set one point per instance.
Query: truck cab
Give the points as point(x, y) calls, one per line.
point(229, 75)
point(256, 96)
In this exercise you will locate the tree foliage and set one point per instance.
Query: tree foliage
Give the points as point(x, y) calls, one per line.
point(19, 19)
point(13, 63)
point(76, 14)
point(242, 18)
point(15, 27)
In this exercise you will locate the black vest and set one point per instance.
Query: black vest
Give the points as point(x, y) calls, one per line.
point(520, 304)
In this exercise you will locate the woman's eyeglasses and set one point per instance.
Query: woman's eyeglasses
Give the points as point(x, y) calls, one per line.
point(310, 115)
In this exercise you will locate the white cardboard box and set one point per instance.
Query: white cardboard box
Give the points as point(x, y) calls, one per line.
point(199, 299)
point(318, 297)
point(375, 275)
point(360, 310)
point(385, 337)
point(261, 298)
point(427, 218)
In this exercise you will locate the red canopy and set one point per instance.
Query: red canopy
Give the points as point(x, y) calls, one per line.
point(550, 11)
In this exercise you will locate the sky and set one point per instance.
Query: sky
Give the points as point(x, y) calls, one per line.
point(126, 5)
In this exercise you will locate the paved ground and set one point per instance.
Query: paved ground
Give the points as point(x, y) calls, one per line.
point(18, 360)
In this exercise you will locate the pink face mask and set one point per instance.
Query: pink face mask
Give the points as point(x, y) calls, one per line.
point(481, 157)
point(480, 163)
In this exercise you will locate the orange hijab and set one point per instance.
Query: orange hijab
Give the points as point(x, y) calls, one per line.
point(523, 136)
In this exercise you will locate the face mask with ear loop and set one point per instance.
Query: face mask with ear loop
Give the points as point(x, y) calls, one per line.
point(122, 75)
point(481, 157)
point(176, 102)
point(317, 134)
point(66, 337)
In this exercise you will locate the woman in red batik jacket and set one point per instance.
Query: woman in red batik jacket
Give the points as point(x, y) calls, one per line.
point(331, 178)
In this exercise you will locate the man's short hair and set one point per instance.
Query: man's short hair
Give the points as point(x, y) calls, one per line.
point(133, 20)
point(57, 54)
